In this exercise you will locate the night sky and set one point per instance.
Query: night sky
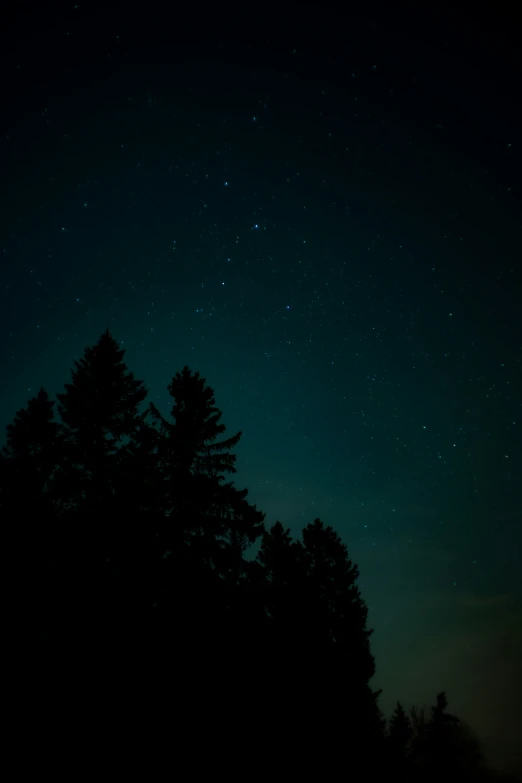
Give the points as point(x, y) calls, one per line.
point(323, 217)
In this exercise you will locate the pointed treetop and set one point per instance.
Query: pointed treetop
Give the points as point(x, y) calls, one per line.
point(33, 427)
point(193, 436)
point(103, 392)
point(400, 724)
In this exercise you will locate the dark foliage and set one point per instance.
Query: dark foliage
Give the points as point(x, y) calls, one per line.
point(130, 568)
point(435, 744)
point(398, 739)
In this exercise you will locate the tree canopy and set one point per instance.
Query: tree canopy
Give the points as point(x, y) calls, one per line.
point(132, 554)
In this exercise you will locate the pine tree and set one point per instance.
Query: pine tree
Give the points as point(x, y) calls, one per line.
point(398, 739)
point(400, 727)
point(339, 619)
point(99, 410)
point(194, 464)
point(138, 490)
point(30, 454)
point(439, 732)
point(29, 509)
point(320, 645)
point(452, 750)
point(282, 560)
point(334, 576)
point(207, 526)
point(444, 747)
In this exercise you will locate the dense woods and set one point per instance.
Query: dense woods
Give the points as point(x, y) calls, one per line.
point(132, 563)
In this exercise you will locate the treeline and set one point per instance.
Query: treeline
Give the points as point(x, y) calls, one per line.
point(128, 545)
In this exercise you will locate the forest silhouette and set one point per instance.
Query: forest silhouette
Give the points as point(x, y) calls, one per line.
point(133, 549)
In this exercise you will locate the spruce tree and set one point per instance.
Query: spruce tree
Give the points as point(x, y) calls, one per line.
point(207, 526)
point(284, 594)
point(99, 409)
point(400, 726)
point(398, 738)
point(138, 489)
point(439, 737)
point(29, 509)
point(100, 413)
point(339, 621)
point(444, 747)
point(208, 512)
point(31, 453)
point(319, 655)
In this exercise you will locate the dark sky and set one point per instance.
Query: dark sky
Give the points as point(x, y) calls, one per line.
point(323, 216)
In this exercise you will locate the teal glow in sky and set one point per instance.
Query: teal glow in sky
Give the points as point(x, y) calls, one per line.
point(328, 228)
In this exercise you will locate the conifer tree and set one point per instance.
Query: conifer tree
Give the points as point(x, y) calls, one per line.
point(399, 728)
point(100, 412)
point(439, 728)
point(439, 736)
point(282, 560)
point(398, 739)
point(339, 620)
point(138, 490)
point(319, 635)
point(29, 509)
point(445, 747)
point(208, 523)
point(30, 455)
point(99, 408)
point(194, 463)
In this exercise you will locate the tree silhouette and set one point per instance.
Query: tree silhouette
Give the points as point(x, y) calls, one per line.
point(399, 728)
point(209, 514)
point(130, 553)
point(319, 645)
point(439, 735)
point(443, 746)
point(99, 411)
point(398, 739)
point(469, 758)
point(207, 526)
point(28, 465)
